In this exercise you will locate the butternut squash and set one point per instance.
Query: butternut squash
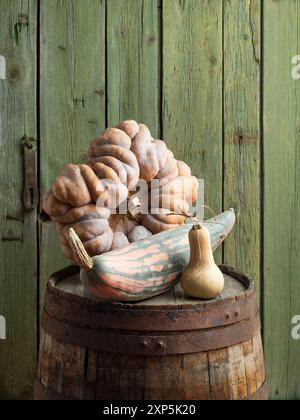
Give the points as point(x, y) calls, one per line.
point(202, 278)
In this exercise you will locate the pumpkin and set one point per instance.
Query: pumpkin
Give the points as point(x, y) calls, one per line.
point(71, 203)
point(145, 268)
point(91, 224)
point(126, 230)
point(170, 202)
point(111, 151)
point(118, 159)
point(202, 278)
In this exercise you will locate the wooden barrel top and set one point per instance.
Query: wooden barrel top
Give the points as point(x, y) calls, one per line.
point(67, 299)
point(235, 288)
point(184, 324)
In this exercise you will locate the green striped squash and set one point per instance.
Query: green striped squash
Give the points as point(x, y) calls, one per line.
point(149, 267)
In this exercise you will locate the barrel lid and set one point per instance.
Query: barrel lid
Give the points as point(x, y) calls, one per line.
point(67, 301)
point(237, 286)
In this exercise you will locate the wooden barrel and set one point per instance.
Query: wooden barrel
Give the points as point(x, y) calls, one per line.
point(169, 347)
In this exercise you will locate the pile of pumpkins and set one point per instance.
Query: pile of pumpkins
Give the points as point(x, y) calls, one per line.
point(117, 159)
point(90, 233)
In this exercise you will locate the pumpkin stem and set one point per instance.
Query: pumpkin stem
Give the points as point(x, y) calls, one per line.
point(81, 256)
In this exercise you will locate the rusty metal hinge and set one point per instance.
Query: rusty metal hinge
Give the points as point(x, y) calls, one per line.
point(30, 191)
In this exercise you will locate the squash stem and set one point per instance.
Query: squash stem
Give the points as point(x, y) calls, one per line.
point(81, 256)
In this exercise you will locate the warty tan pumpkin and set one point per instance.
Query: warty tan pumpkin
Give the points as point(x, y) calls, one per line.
point(117, 159)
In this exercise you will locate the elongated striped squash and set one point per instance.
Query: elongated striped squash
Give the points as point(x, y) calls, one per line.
point(146, 268)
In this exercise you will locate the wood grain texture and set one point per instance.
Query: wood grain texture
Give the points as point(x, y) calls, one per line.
point(192, 90)
point(133, 60)
point(237, 372)
point(250, 363)
point(282, 195)
point(218, 374)
point(259, 359)
point(91, 367)
point(64, 369)
point(242, 132)
point(18, 251)
point(72, 98)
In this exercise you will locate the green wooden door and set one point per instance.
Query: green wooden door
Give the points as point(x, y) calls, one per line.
point(214, 79)
point(18, 230)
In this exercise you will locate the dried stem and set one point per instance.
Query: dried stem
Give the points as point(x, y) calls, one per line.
point(81, 256)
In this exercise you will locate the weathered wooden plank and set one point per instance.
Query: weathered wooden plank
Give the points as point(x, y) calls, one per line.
point(196, 376)
point(164, 377)
point(133, 59)
point(132, 384)
point(192, 89)
point(242, 141)
point(259, 361)
point(91, 357)
point(237, 373)
point(282, 195)
point(250, 367)
point(17, 227)
point(68, 363)
point(218, 375)
point(72, 98)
